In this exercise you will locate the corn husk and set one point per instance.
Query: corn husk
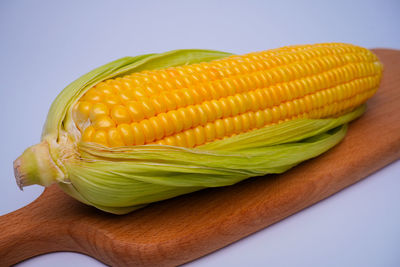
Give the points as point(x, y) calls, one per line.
point(120, 180)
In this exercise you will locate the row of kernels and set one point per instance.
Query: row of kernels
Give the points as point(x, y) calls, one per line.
point(175, 99)
point(299, 106)
point(187, 75)
point(173, 78)
point(149, 131)
point(228, 127)
point(100, 114)
point(339, 107)
point(212, 131)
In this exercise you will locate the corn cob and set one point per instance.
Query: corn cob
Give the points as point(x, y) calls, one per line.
point(194, 104)
point(147, 128)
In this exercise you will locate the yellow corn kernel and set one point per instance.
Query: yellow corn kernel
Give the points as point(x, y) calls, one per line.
point(157, 128)
point(114, 137)
point(219, 129)
point(209, 131)
point(190, 138)
point(138, 133)
point(126, 134)
point(112, 100)
point(176, 120)
point(199, 135)
point(88, 133)
point(103, 122)
point(97, 110)
point(81, 113)
point(148, 131)
point(120, 114)
point(194, 104)
point(92, 96)
point(228, 125)
point(135, 110)
point(148, 109)
point(100, 137)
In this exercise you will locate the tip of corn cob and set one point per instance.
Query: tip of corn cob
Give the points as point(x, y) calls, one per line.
point(36, 166)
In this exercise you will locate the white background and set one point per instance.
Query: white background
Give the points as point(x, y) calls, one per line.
point(45, 45)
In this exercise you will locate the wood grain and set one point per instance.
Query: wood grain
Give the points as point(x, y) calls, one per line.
point(179, 230)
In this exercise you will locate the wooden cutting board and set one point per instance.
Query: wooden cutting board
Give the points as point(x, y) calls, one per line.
point(182, 229)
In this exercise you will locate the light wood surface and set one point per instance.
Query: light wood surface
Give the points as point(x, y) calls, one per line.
point(182, 229)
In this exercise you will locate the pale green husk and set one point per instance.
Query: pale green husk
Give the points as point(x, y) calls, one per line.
point(119, 180)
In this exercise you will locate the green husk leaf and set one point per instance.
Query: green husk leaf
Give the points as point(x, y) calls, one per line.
point(119, 180)
point(129, 177)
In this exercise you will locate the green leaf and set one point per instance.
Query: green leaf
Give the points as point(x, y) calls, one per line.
point(129, 177)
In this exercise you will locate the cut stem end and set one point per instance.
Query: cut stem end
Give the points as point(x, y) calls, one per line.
point(36, 166)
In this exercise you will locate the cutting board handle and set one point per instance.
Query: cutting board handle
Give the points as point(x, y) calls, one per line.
point(27, 232)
